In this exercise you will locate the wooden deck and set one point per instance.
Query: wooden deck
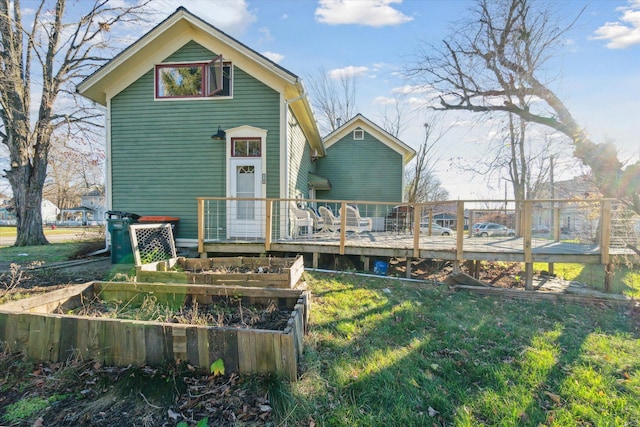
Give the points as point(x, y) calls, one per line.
point(437, 247)
point(595, 236)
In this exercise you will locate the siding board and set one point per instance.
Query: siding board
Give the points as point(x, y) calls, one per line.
point(162, 154)
point(362, 170)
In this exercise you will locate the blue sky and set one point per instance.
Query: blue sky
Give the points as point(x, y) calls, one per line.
point(597, 74)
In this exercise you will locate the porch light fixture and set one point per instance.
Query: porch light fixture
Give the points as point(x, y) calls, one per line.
point(220, 135)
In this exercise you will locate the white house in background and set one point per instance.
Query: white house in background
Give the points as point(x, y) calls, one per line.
point(49, 212)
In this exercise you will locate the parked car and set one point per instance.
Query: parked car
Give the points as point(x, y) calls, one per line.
point(540, 229)
point(476, 227)
point(493, 229)
point(436, 230)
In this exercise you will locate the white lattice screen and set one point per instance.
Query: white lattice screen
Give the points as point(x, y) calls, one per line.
point(152, 243)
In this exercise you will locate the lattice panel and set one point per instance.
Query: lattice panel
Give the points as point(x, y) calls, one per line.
point(152, 243)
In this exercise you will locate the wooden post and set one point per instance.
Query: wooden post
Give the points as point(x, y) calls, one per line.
point(366, 262)
point(527, 213)
point(201, 226)
point(471, 222)
point(408, 269)
point(268, 225)
point(609, 273)
point(605, 241)
point(343, 226)
point(316, 255)
point(459, 236)
point(605, 231)
point(556, 224)
point(416, 231)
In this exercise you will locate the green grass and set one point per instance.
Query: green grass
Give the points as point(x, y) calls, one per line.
point(47, 253)
point(626, 278)
point(11, 231)
point(382, 352)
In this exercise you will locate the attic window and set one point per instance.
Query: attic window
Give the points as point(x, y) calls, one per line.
point(358, 135)
point(194, 80)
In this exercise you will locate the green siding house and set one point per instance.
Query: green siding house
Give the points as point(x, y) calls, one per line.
point(364, 162)
point(191, 112)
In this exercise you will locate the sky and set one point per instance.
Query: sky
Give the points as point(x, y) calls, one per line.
point(596, 73)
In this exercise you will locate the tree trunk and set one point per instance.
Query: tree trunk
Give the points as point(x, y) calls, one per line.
point(28, 201)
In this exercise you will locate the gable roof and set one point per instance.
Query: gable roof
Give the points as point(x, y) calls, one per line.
point(174, 32)
point(360, 121)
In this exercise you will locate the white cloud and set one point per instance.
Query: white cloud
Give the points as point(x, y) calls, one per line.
point(373, 13)
point(266, 35)
point(231, 16)
point(624, 32)
point(275, 57)
point(384, 100)
point(411, 89)
point(349, 71)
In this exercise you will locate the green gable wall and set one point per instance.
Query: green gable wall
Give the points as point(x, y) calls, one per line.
point(366, 170)
point(299, 159)
point(162, 154)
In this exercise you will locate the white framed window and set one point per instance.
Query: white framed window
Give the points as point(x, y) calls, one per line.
point(194, 79)
point(358, 135)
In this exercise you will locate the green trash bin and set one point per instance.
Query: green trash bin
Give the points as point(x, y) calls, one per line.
point(118, 226)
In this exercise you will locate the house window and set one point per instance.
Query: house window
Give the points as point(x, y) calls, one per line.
point(358, 134)
point(246, 147)
point(194, 80)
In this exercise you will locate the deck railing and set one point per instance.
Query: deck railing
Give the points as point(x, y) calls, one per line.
point(597, 224)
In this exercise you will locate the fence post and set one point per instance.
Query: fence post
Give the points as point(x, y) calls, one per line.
point(459, 236)
point(527, 213)
point(268, 225)
point(605, 241)
point(417, 216)
point(343, 226)
point(201, 227)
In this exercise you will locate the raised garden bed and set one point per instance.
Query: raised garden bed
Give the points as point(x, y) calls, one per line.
point(81, 321)
point(237, 271)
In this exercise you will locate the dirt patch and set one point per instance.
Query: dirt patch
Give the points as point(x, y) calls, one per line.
point(222, 312)
point(498, 274)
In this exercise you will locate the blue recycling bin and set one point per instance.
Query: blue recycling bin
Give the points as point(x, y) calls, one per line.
point(380, 268)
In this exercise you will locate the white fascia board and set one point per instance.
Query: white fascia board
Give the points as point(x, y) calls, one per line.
point(362, 122)
point(167, 38)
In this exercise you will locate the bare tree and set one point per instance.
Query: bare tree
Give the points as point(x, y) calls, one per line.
point(72, 172)
point(422, 183)
point(334, 99)
point(393, 118)
point(496, 60)
point(46, 56)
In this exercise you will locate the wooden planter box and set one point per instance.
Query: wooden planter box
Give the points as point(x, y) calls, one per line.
point(33, 326)
point(203, 271)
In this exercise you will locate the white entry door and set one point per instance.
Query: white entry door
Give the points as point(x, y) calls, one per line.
point(246, 218)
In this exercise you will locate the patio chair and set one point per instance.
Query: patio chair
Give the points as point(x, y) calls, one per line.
point(300, 218)
point(331, 223)
point(318, 222)
point(355, 222)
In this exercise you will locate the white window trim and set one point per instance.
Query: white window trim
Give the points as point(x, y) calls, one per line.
point(358, 134)
point(191, 98)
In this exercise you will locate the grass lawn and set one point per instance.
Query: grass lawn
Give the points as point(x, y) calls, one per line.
point(82, 240)
point(391, 353)
point(385, 352)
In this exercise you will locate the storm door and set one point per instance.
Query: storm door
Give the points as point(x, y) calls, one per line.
point(246, 216)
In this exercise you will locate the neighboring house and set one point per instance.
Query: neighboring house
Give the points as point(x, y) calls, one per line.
point(192, 112)
point(91, 211)
point(363, 162)
point(49, 212)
